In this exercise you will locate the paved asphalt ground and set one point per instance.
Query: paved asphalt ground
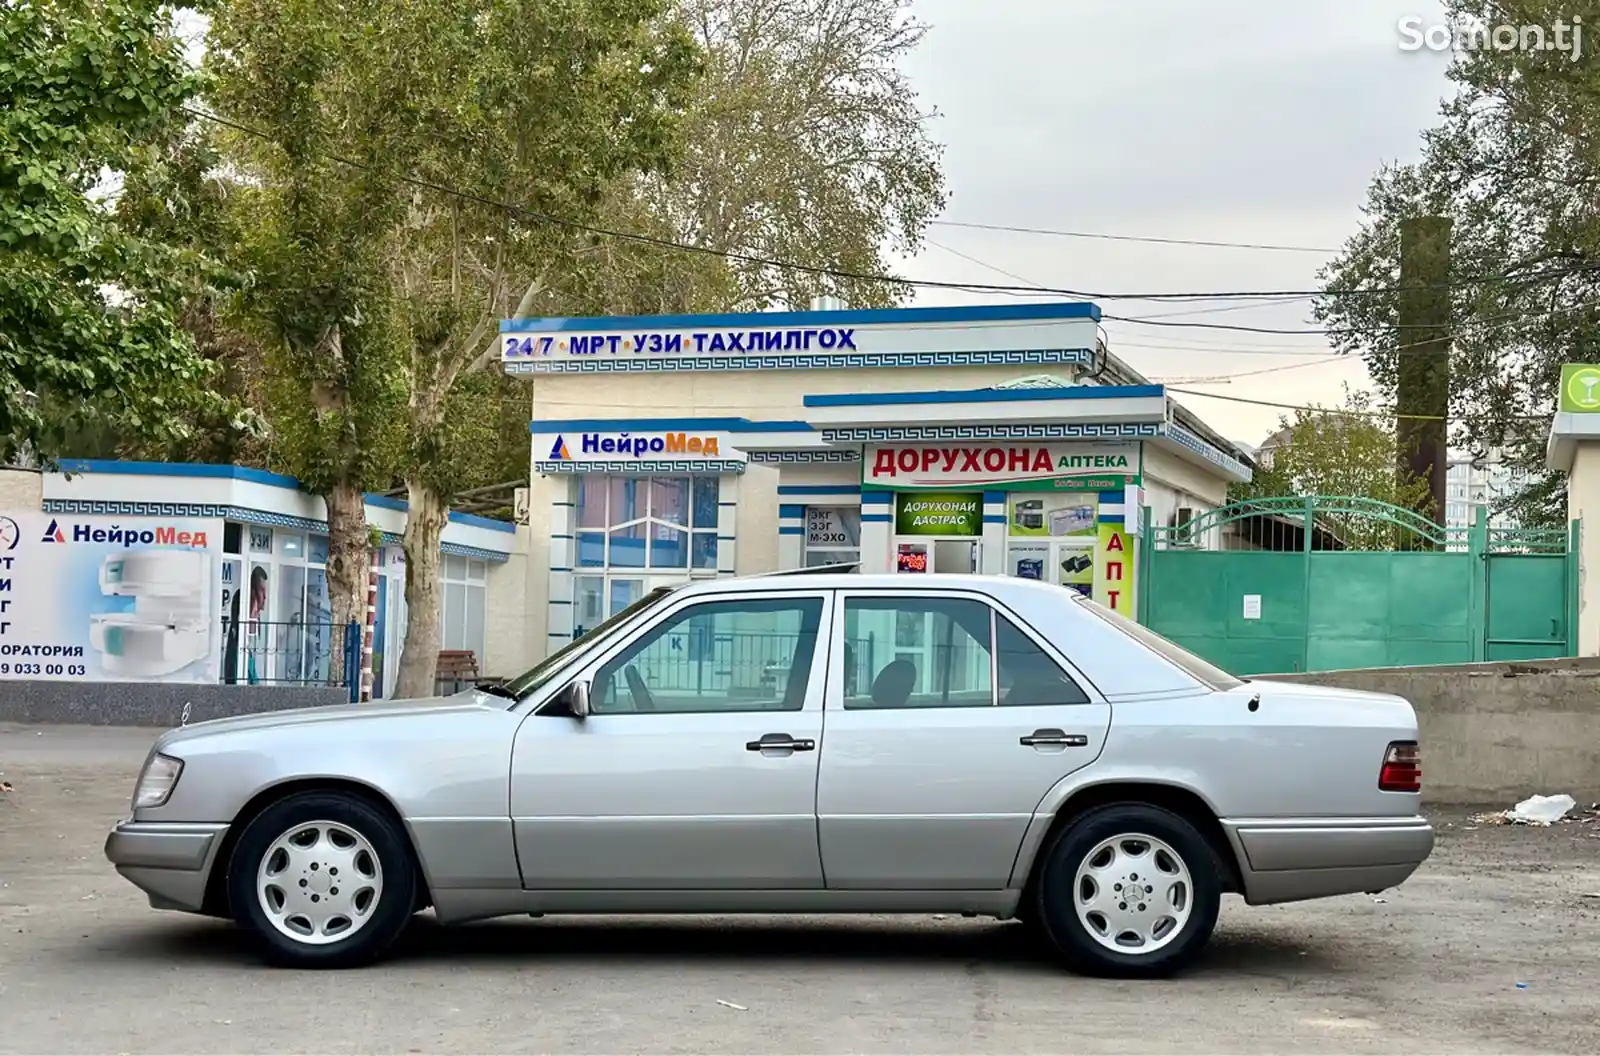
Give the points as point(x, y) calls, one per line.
point(86, 967)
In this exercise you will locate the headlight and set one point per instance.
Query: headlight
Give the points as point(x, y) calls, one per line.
point(156, 783)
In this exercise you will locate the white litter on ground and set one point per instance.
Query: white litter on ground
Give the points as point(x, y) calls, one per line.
point(1535, 810)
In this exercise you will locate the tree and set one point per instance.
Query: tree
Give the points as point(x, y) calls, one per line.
point(544, 106)
point(90, 329)
point(805, 144)
point(1513, 164)
point(317, 130)
point(1345, 451)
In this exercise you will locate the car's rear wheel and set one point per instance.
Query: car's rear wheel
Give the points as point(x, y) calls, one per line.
point(1130, 890)
point(323, 880)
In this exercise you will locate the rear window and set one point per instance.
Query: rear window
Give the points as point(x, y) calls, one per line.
point(1200, 670)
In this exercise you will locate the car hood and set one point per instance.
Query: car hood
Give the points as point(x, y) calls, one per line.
point(358, 713)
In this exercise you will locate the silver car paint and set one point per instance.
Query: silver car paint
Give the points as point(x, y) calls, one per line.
point(938, 798)
point(1293, 783)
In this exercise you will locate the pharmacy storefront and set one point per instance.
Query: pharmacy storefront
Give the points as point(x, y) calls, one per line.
point(1037, 511)
point(999, 441)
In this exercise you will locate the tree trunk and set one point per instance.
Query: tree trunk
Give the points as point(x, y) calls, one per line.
point(419, 657)
point(349, 553)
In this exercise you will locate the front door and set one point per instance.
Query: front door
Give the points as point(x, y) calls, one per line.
point(697, 767)
point(938, 756)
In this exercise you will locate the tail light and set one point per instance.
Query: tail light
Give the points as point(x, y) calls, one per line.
point(1402, 768)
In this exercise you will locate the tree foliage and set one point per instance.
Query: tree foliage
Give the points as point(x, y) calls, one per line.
point(1345, 451)
point(91, 331)
point(804, 143)
point(1515, 163)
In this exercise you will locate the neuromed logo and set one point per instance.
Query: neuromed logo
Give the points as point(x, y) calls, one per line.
point(639, 445)
point(559, 452)
point(54, 534)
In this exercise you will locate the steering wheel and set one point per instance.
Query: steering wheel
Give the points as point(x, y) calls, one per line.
point(642, 700)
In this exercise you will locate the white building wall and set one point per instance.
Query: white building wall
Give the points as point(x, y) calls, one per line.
point(21, 490)
point(768, 395)
point(1171, 484)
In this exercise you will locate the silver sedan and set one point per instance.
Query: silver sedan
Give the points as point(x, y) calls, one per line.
point(790, 744)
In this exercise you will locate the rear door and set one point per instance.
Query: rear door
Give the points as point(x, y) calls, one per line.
point(697, 767)
point(947, 723)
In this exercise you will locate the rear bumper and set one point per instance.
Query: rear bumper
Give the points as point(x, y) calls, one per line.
point(168, 862)
point(1286, 860)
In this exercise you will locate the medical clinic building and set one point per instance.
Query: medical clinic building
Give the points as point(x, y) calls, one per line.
point(998, 440)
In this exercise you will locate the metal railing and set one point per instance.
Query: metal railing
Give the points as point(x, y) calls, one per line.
point(256, 652)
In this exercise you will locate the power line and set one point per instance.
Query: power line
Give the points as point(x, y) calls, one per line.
point(811, 269)
point(1131, 238)
point(1223, 379)
point(1387, 415)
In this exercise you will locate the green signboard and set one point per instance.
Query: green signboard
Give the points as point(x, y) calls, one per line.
point(1580, 388)
point(939, 513)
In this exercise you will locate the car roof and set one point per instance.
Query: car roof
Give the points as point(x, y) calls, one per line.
point(999, 586)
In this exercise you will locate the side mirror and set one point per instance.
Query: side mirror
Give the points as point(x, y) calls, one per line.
point(573, 701)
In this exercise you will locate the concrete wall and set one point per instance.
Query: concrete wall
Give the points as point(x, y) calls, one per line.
point(1496, 733)
point(151, 703)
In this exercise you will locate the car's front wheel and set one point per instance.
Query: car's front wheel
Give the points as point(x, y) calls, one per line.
point(1129, 889)
point(323, 879)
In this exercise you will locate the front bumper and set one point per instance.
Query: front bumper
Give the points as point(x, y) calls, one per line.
point(1290, 860)
point(168, 862)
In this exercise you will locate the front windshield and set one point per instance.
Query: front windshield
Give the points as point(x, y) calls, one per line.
point(532, 679)
point(1200, 670)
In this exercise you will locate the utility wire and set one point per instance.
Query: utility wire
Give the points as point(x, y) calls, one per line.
point(1387, 415)
point(1130, 238)
point(858, 276)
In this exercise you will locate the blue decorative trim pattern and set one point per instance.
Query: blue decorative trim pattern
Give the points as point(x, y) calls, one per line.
point(458, 550)
point(805, 458)
point(983, 313)
point(1179, 435)
point(701, 467)
point(1047, 431)
point(802, 361)
point(897, 399)
point(101, 508)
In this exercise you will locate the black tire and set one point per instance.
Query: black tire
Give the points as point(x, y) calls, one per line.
point(1055, 894)
point(395, 900)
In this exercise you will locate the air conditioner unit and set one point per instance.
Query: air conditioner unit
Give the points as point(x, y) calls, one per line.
point(1182, 532)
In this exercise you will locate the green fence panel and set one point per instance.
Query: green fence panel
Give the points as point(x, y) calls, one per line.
point(1523, 622)
point(1436, 597)
point(1383, 609)
point(1198, 599)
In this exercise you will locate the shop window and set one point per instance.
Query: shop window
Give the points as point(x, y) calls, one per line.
point(463, 596)
point(833, 535)
point(647, 523)
point(232, 538)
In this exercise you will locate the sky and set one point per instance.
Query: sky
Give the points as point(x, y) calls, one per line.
point(1258, 121)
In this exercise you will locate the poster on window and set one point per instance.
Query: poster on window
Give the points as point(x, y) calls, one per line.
point(833, 528)
point(1052, 516)
point(102, 599)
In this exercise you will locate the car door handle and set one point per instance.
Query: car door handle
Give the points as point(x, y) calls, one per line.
point(1055, 739)
point(779, 742)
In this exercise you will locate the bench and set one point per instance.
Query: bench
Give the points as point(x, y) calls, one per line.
point(456, 670)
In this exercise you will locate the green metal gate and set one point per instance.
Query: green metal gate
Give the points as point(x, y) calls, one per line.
point(1327, 583)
